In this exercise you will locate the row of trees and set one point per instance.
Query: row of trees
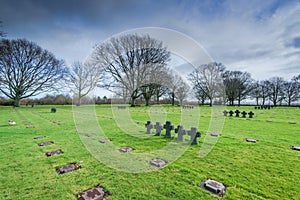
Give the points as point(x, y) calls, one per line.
point(212, 80)
point(131, 66)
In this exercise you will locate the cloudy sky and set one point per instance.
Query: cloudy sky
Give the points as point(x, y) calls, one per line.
point(261, 37)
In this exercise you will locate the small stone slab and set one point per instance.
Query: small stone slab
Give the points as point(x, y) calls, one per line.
point(157, 162)
point(213, 187)
point(39, 137)
point(295, 148)
point(30, 126)
point(292, 123)
point(96, 193)
point(52, 153)
point(91, 135)
point(45, 143)
point(125, 149)
point(251, 140)
point(268, 120)
point(67, 168)
point(104, 141)
point(215, 134)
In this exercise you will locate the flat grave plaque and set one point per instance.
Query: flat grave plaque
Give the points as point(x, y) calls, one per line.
point(39, 137)
point(52, 153)
point(91, 135)
point(96, 193)
point(213, 187)
point(215, 134)
point(67, 168)
point(125, 149)
point(295, 148)
point(45, 143)
point(157, 162)
point(104, 141)
point(251, 140)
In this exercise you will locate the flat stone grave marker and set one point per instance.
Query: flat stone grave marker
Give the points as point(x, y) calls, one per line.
point(158, 127)
point(52, 153)
point(215, 134)
point(169, 127)
point(295, 148)
point(67, 168)
point(268, 120)
point(91, 135)
point(104, 141)
point(39, 137)
point(213, 187)
point(45, 143)
point(96, 193)
point(251, 140)
point(157, 162)
point(125, 149)
point(292, 123)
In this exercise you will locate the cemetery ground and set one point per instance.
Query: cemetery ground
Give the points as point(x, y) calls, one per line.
point(268, 169)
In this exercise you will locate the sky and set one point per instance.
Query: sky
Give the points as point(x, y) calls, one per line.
point(260, 37)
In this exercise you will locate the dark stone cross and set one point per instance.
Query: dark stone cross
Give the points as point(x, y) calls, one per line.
point(158, 127)
point(230, 113)
point(237, 113)
point(149, 126)
point(250, 114)
point(169, 127)
point(194, 135)
point(244, 114)
point(180, 132)
point(225, 113)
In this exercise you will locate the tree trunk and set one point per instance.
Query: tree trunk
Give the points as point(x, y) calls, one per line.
point(147, 101)
point(256, 101)
point(173, 99)
point(210, 102)
point(17, 101)
point(132, 101)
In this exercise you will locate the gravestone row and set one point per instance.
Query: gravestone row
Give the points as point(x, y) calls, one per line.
point(237, 113)
point(264, 107)
point(48, 119)
point(180, 131)
point(187, 107)
point(24, 120)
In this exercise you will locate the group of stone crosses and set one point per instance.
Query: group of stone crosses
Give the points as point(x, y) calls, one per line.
point(180, 131)
point(264, 107)
point(237, 113)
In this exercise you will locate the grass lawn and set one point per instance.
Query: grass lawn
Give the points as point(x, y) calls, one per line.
point(268, 169)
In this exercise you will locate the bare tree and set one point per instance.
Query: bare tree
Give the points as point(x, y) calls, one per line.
point(238, 85)
point(84, 78)
point(182, 91)
point(207, 81)
point(173, 82)
point(27, 70)
point(276, 90)
point(291, 90)
point(128, 60)
point(2, 34)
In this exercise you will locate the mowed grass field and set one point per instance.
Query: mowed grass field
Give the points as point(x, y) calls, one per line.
point(268, 169)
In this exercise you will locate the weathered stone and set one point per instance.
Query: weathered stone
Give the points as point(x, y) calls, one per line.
point(251, 140)
point(45, 143)
point(292, 123)
point(67, 168)
point(125, 149)
point(56, 152)
point(158, 127)
point(169, 127)
point(215, 134)
point(157, 162)
point(214, 187)
point(39, 137)
point(104, 141)
point(295, 148)
point(96, 193)
point(194, 135)
point(148, 126)
point(180, 133)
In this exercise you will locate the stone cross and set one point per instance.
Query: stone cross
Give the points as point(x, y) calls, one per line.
point(237, 113)
point(169, 127)
point(225, 113)
point(250, 114)
point(244, 114)
point(230, 113)
point(180, 132)
point(149, 126)
point(158, 127)
point(194, 135)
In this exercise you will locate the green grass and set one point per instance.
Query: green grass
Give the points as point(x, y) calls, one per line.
point(265, 170)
